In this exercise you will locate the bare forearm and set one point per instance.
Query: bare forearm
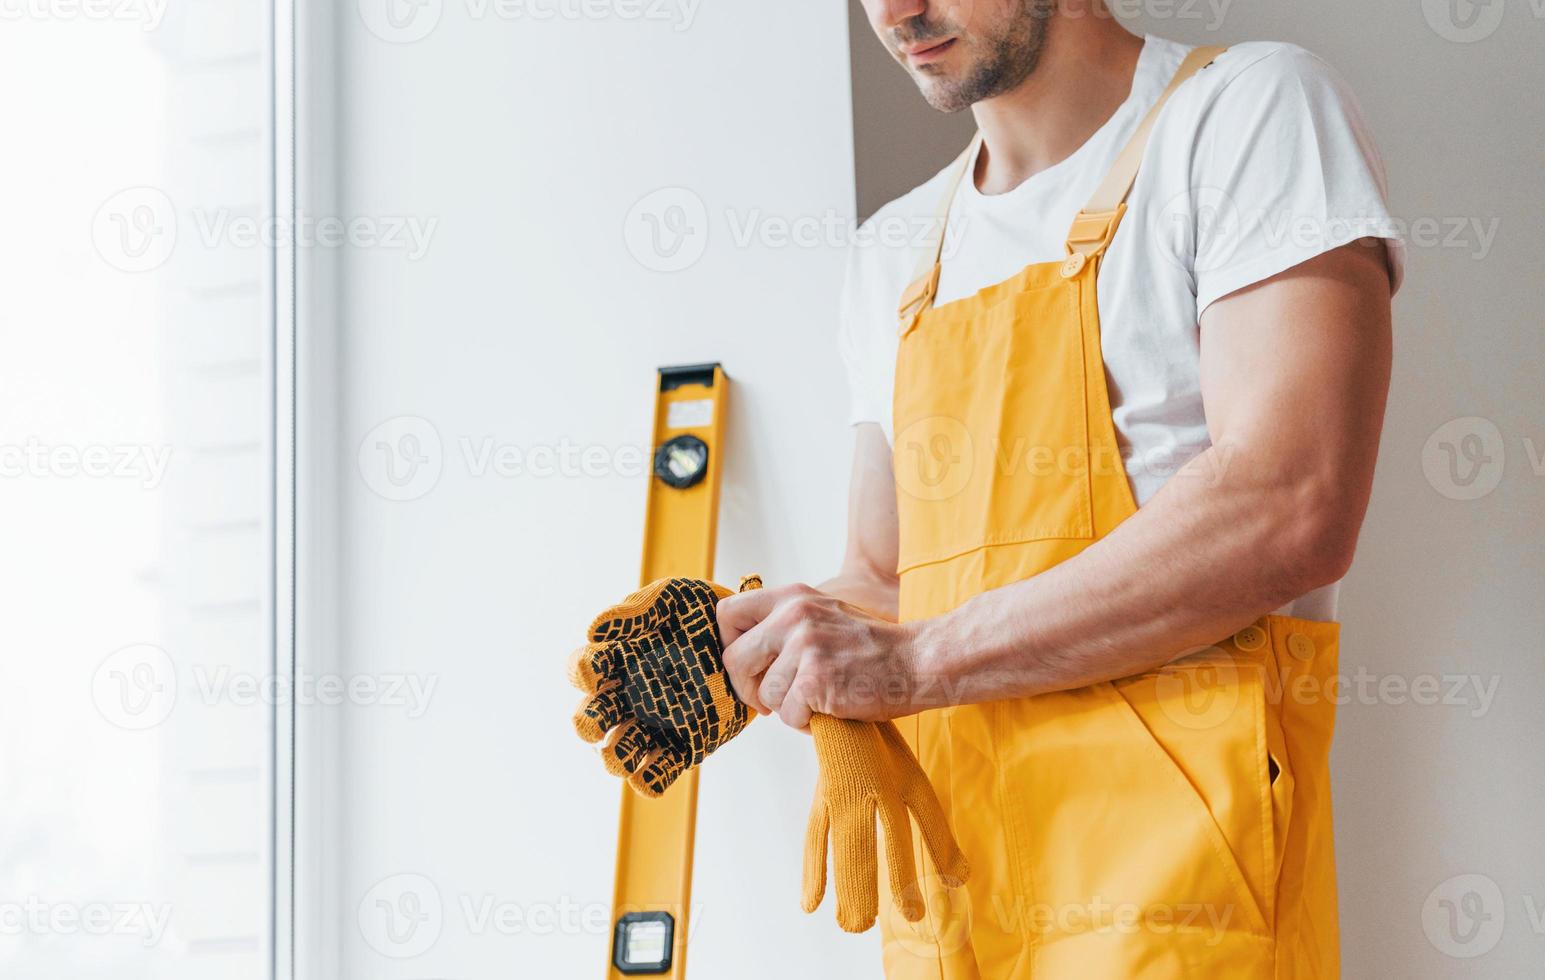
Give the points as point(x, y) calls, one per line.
point(866, 588)
point(1225, 541)
point(868, 576)
point(1206, 556)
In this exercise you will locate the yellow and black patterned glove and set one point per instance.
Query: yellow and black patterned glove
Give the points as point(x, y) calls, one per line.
point(654, 678)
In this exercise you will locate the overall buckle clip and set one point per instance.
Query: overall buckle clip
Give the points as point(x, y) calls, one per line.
point(1091, 234)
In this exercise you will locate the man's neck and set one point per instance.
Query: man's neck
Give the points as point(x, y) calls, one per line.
point(1084, 75)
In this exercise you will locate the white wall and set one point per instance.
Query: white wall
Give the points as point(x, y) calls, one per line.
point(135, 464)
point(528, 321)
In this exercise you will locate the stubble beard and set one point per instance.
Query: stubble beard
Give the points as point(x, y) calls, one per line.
point(1010, 58)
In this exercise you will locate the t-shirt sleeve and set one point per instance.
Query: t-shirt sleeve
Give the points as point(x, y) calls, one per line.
point(858, 342)
point(1285, 169)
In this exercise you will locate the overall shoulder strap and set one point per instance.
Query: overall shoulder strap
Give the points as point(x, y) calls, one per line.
point(926, 279)
point(1096, 223)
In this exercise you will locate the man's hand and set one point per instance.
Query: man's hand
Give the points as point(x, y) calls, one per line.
point(796, 651)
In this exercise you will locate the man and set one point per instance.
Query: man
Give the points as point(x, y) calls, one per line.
point(1135, 384)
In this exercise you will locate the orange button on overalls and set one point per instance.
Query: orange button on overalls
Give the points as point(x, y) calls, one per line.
point(1174, 824)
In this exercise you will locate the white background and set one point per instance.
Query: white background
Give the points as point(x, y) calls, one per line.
point(535, 320)
point(136, 771)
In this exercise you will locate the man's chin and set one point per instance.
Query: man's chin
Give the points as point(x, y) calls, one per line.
point(941, 91)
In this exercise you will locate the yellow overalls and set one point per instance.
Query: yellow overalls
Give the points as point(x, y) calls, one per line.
point(1174, 824)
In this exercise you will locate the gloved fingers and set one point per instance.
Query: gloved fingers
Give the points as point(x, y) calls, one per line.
point(657, 774)
point(626, 749)
point(594, 664)
point(902, 869)
point(920, 798)
point(632, 616)
point(954, 870)
point(600, 713)
point(644, 610)
point(817, 831)
point(589, 665)
point(854, 865)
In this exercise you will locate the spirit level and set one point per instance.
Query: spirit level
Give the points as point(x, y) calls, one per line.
point(652, 894)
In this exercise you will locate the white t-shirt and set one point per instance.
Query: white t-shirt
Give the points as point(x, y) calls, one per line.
point(1256, 165)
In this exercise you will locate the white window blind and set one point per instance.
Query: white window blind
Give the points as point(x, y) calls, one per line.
point(137, 685)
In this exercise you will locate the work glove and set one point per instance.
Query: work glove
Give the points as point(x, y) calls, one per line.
point(867, 769)
point(656, 690)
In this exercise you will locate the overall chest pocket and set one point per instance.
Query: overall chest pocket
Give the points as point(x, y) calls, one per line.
point(991, 426)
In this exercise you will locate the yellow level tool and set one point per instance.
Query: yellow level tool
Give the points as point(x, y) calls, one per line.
point(653, 892)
